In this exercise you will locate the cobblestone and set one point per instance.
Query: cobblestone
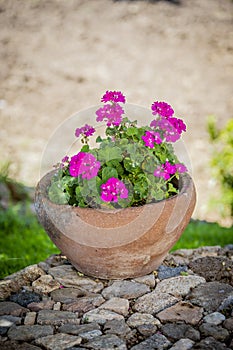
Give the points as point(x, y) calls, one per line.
point(164, 310)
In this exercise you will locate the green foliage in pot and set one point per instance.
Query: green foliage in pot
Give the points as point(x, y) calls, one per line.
point(131, 165)
point(222, 162)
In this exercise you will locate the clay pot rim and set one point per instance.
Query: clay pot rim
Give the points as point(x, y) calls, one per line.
point(185, 181)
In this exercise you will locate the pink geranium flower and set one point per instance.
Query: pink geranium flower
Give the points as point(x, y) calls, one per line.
point(113, 96)
point(113, 189)
point(84, 164)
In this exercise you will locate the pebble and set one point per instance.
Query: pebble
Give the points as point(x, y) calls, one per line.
point(210, 295)
point(58, 341)
point(181, 311)
point(118, 305)
point(84, 304)
point(24, 298)
point(217, 332)
point(215, 318)
point(28, 333)
point(67, 276)
point(45, 284)
point(148, 280)
point(101, 316)
point(177, 331)
point(156, 341)
point(117, 327)
point(30, 318)
point(168, 272)
point(183, 344)
point(108, 342)
point(179, 286)
point(154, 302)
point(56, 318)
point(125, 289)
point(138, 319)
point(51, 306)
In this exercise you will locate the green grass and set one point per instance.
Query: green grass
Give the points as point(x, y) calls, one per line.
point(24, 242)
point(202, 233)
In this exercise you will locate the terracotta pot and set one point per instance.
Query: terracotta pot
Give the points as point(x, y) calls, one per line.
point(120, 243)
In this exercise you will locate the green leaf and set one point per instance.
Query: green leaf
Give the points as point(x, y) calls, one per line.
point(114, 163)
point(56, 193)
point(98, 139)
point(109, 172)
point(109, 153)
point(85, 149)
point(132, 131)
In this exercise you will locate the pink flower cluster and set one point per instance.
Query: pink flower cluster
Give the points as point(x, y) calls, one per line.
point(86, 130)
point(113, 189)
point(166, 170)
point(150, 138)
point(162, 108)
point(113, 96)
point(170, 127)
point(84, 164)
point(111, 112)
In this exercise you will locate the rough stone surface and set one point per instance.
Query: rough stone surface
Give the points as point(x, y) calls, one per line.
point(177, 331)
point(168, 272)
point(67, 276)
point(183, 344)
point(59, 341)
point(210, 343)
point(125, 289)
point(45, 284)
point(30, 318)
point(67, 295)
point(56, 318)
point(149, 280)
point(108, 342)
point(11, 308)
point(181, 311)
point(84, 304)
point(158, 311)
point(154, 302)
point(117, 327)
point(156, 341)
point(210, 295)
point(27, 333)
point(25, 297)
point(13, 345)
point(78, 329)
point(217, 332)
point(101, 316)
point(215, 318)
point(228, 324)
point(138, 319)
point(16, 281)
point(180, 285)
point(214, 269)
point(43, 305)
point(118, 305)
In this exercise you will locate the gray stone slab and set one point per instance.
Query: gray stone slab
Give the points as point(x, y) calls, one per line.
point(58, 341)
point(155, 342)
point(56, 318)
point(125, 289)
point(108, 342)
point(154, 302)
point(28, 333)
point(210, 295)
